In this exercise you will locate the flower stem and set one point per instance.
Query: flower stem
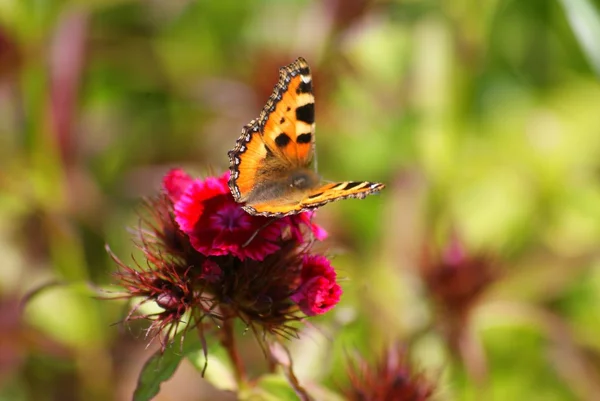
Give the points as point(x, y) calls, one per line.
point(227, 339)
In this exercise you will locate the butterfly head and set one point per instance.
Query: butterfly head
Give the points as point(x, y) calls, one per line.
point(303, 180)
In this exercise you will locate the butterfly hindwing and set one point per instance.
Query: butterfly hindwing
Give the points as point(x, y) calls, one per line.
point(335, 191)
point(340, 190)
point(318, 197)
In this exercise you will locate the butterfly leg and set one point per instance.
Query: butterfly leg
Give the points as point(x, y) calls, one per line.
point(249, 240)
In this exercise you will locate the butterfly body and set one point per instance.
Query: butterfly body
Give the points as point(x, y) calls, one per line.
point(287, 188)
point(270, 164)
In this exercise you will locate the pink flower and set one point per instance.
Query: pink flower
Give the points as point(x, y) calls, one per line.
point(206, 211)
point(318, 291)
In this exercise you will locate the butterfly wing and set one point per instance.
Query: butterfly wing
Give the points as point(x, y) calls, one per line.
point(281, 139)
point(318, 197)
point(288, 119)
point(245, 161)
point(268, 164)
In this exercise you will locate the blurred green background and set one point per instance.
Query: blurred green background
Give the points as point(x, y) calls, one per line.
point(482, 117)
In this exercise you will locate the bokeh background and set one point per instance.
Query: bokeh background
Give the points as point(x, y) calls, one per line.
point(482, 117)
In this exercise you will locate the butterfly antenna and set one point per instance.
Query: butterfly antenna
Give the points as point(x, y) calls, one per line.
point(269, 222)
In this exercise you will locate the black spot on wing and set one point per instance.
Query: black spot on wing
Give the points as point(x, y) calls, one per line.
point(282, 120)
point(304, 87)
point(351, 185)
point(304, 71)
point(313, 196)
point(306, 113)
point(282, 140)
point(304, 138)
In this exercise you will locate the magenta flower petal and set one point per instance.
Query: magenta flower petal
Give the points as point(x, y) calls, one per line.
point(315, 266)
point(317, 296)
point(318, 231)
point(189, 207)
point(296, 222)
point(175, 183)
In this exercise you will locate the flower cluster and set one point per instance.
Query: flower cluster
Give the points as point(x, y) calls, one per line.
point(207, 258)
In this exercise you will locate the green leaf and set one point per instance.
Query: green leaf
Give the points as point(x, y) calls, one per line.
point(585, 22)
point(271, 387)
point(161, 366)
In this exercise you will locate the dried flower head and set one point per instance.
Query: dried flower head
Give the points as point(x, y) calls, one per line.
point(456, 279)
point(390, 378)
point(207, 258)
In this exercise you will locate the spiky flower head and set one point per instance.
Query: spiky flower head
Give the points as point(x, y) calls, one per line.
point(455, 277)
point(391, 377)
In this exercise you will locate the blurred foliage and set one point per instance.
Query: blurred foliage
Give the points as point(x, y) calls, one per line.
point(481, 116)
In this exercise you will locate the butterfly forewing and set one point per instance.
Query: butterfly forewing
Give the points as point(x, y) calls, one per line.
point(245, 161)
point(288, 119)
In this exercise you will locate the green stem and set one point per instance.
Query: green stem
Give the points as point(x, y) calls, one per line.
point(227, 339)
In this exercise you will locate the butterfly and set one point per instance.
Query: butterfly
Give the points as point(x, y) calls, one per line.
point(270, 165)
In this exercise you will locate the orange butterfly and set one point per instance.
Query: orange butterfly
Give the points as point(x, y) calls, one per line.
point(270, 164)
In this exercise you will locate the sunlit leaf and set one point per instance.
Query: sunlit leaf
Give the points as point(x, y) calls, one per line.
point(271, 388)
point(216, 370)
